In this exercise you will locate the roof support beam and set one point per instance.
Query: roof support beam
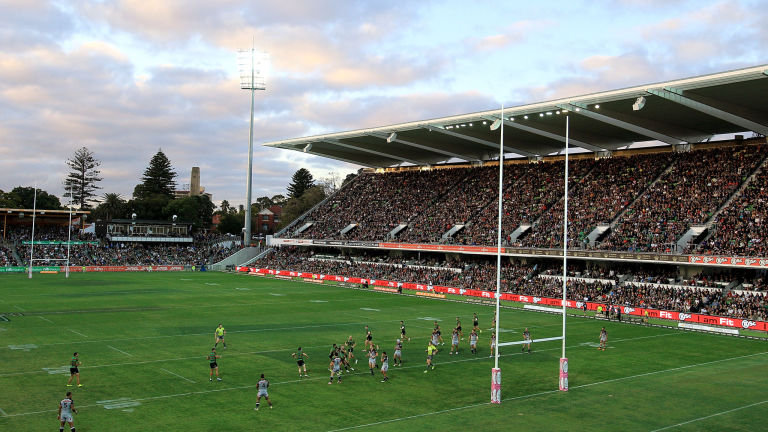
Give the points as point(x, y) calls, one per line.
point(613, 121)
point(480, 141)
point(355, 162)
point(677, 96)
point(546, 134)
point(427, 148)
point(375, 152)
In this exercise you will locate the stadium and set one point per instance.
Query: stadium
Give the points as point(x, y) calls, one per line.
point(665, 188)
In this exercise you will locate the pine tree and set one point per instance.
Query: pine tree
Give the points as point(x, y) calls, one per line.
point(80, 183)
point(300, 182)
point(158, 179)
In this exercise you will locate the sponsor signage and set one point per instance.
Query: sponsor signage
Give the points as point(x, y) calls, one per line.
point(544, 301)
point(728, 261)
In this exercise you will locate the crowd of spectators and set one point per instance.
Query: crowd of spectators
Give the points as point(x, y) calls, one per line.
point(688, 194)
point(377, 203)
point(6, 257)
point(646, 216)
point(742, 227)
point(466, 200)
point(528, 280)
point(532, 190)
point(596, 198)
point(206, 249)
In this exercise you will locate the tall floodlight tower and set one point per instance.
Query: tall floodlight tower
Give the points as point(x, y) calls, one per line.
point(252, 66)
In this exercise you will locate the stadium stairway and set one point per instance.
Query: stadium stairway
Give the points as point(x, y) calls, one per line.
point(241, 257)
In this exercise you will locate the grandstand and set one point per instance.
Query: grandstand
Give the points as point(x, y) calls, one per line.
point(667, 193)
point(118, 243)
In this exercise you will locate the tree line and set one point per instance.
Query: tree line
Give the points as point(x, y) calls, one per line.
point(153, 198)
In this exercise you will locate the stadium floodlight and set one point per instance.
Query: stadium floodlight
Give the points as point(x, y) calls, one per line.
point(252, 67)
point(391, 137)
point(639, 104)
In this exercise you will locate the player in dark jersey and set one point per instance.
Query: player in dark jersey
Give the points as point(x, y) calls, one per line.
point(263, 385)
point(74, 370)
point(439, 333)
point(458, 328)
point(476, 323)
point(299, 356)
point(368, 340)
point(350, 343)
point(402, 331)
point(344, 362)
point(212, 356)
point(332, 354)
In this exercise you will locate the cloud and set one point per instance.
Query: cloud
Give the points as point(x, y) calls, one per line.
point(515, 33)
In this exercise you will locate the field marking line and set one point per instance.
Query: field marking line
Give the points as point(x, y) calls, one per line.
point(119, 350)
point(668, 370)
point(20, 308)
point(411, 417)
point(172, 373)
point(5, 414)
point(711, 415)
point(45, 319)
point(77, 332)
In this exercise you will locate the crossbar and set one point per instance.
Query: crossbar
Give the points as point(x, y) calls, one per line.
point(523, 342)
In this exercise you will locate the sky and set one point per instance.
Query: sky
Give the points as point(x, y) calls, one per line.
point(127, 78)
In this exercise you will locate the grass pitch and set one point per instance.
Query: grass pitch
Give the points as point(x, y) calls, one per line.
point(143, 340)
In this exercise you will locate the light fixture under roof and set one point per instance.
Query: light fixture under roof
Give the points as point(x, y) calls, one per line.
point(307, 147)
point(597, 106)
point(496, 124)
point(639, 104)
point(392, 137)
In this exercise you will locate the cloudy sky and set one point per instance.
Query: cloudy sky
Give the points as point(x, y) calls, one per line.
point(125, 78)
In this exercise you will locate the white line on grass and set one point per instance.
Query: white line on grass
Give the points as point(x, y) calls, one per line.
point(5, 414)
point(711, 415)
point(185, 379)
point(20, 308)
point(45, 319)
point(119, 350)
point(412, 417)
point(77, 332)
point(667, 370)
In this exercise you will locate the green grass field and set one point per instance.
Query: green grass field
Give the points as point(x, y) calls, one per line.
point(143, 340)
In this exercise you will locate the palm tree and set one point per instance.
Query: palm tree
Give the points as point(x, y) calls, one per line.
point(113, 204)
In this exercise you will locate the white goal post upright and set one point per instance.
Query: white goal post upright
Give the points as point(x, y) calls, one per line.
point(69, 232)
point(563, 381)
point(496, 372)
point(32, 240)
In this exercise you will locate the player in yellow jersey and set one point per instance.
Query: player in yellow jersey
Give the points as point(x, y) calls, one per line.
point(218, 336)
point(431, 351)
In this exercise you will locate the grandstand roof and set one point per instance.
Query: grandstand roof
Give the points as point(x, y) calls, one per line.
point(675, 112)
